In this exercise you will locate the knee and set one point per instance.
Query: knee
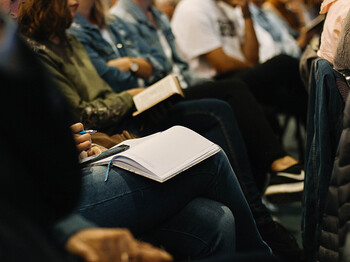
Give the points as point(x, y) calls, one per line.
point(218, 223)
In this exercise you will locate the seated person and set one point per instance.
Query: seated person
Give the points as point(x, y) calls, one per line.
point(222, 49)
point(41, 181)
point(166, 6)
point(294, 12)
point(336, 12)
point(238, 98)
point(54, 195)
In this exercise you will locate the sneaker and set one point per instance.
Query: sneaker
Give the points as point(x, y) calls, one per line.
point(294, 172)
point(290, 180)
point(281, 241)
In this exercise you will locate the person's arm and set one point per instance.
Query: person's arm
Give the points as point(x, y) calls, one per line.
point(124, 64)
point(223, 63)
point(250, 46)
point(105, 110)
point(138, 48)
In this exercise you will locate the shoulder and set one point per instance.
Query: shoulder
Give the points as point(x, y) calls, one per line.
point(34, 45)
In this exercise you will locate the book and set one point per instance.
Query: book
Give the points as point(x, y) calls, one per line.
point(160, 91)
point(163, 155)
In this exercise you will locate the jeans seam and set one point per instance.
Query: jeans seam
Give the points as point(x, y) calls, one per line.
point(186, 234)
point(112, 198)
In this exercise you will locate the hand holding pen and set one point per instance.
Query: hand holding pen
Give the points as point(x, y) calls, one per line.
point(82, 137)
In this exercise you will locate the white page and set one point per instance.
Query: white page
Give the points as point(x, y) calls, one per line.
point(169, 150)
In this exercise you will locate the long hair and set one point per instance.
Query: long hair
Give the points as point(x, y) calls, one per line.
point(99, 13)
point(43, 19)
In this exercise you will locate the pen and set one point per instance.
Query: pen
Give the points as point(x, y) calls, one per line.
point(90, 131)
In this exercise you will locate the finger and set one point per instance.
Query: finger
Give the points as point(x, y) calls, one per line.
point(148, 253)
point(77, 127)
point(82, 250)
point(127, 135)
point(86, 145)
point(82, 138)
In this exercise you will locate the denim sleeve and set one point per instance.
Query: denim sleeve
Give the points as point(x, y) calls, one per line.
point(118, 80)
point(143, 50)
point(68, 226)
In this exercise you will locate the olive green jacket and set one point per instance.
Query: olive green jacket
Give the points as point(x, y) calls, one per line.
point(92, 100)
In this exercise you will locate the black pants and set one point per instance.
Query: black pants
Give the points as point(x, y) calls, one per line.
point(275, 83)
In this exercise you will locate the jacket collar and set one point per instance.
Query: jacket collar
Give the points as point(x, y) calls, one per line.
point(134, 10)
point(81, 21)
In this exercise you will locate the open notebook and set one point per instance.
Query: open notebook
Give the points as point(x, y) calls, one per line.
point(163, 155)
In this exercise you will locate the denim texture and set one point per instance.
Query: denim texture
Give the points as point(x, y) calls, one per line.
point(178, 209)
point(128, 43)
point(131, 13)
point(324, 126)
point(214, 119)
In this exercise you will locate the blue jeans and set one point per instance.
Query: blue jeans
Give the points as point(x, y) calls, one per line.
point(215, 120)
point(175, 212)
point(324, 126)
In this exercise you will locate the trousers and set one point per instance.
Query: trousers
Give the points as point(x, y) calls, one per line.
point(198, 213)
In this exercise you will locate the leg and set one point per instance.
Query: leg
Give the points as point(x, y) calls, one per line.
point(277, 83)
point(262, 144)
point(202, 228)
point(140, 204)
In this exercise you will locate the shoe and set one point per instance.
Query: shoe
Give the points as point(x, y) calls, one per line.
point(281, 241)
point(290, 180)
point(294, 172)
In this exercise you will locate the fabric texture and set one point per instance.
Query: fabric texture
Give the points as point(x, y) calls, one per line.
point(342, 54)
point(191, 19)
point(336, 13)
point(336, 218)
point(131, 13)
point(325, 109)
point(127, 43)
point(92, 101)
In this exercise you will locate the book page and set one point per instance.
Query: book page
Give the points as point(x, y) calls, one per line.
point(170, 151)
point(157, 93)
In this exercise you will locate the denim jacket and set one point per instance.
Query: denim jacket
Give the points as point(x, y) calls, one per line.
point(128, 44)
point(130, 12)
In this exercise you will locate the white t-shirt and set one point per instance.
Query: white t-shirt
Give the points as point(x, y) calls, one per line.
point(201, 26)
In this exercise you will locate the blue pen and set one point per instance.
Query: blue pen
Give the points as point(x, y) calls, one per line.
point(90, 131)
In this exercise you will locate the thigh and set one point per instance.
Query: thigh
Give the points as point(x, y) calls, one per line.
point(202, 228)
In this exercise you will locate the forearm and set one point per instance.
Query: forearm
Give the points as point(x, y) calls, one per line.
point(145, 67)
point(223, 63)
point(124, 64)
point(250, 46)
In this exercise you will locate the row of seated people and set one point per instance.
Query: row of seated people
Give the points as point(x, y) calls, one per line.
point(95, 104)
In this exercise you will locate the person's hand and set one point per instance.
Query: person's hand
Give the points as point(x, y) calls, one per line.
point(83, 142)
point(117, 245)
point(135, 91)
point(95, 150)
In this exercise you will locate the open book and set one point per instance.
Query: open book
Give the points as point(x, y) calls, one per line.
point(156, 93)
point(163, 155)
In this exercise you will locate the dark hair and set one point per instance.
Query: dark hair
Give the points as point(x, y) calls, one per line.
point(42, 19)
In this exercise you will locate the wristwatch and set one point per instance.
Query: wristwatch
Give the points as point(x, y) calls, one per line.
point(134, 67)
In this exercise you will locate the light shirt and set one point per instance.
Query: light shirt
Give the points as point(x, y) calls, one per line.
point(107, 36)
point(284, 42)
point(169, 54)
point(201, 26)
point(336, 12)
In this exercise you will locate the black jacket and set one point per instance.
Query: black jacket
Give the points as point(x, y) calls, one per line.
point(336, 218)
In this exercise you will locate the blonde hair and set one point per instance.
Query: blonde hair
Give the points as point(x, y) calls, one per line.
point(100, 13)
